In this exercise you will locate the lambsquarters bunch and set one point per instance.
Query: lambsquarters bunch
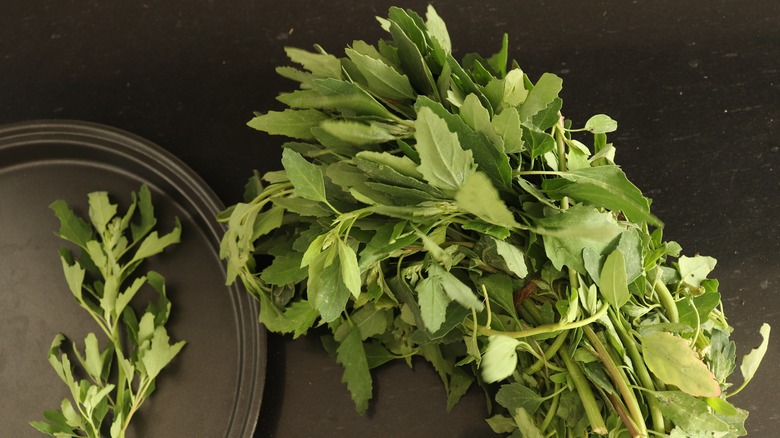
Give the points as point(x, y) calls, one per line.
point(444, 209)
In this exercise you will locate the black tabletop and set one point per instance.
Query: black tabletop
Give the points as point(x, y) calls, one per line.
point(694, 85)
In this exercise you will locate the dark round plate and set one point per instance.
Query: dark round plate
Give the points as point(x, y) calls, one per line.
point(214, 387)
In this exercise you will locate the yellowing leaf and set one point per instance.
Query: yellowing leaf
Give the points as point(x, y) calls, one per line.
point(671, 359)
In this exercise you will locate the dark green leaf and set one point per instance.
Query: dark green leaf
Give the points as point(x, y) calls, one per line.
point(443, 162)
point(291, 123)
point(320, 65)
point(541, 95)
point(72, 228)
point(352, 356)
point(306, 177)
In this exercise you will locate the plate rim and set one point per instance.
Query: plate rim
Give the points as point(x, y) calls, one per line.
point(198, 196)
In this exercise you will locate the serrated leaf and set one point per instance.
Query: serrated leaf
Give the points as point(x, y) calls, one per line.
point(542, 94)
point(673, 361)
point(72, 228)
point(612, 283)
point(325, 287)
point(433, 302)
point(101, 210)
point(515, 395)
point(352, 356)
point(319, 64)
point(438, 29)
point(412, 62)
point(567, 234)
point(689, 413)
point(306, 178)
point(381, 78)
point(160, 352)
point(443, 162)
point(507, 126)
point(478, 197)
point(349, 98)
point(146, 210)
point(489, 159)
point(154, 244)
point(350, 272)
point(74, 275)
point(291, 123)
point(456, 289)
point(356, 133)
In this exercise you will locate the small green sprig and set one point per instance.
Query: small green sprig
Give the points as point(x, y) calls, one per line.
point(119, 377)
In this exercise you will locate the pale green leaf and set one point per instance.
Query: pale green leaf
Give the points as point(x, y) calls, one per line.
point(154, 244)
point(438, 29)
point(507, 126)
point(456, 289)
point(382, 79)
point(443, 162)
point(695, 269)
point(160, 352)
point(290, 123)
point(752, 360)
point(325, 287)
point(306, 178)
point(601, 124)
point(74, 275)
point(500, 358)
point(612, 283)
point(356, 133)
point(542, 94)
point(673, 361)
point(688, 413)
point(320, 65)
point(401, 164)
point(352, 356)
point(72, 228)
point(350, 272)
point(101, 210)
point(479, 197)
point(514, 260)
point(433, 302)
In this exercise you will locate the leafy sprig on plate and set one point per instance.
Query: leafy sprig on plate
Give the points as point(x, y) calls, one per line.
point(109, 383)
point(445, 209)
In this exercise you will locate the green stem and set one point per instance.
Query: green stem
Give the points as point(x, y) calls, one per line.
point(620, 381)
point(585, 392)
point(550, 352)
point(547, 328)
point(640, 369)
point(553, 408)
point(667, 301)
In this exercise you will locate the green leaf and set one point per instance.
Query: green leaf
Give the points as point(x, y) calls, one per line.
point(752, 360)
point(290, 123)
point(352, 356)
point(438, 29)
point(515, 395)
point(477, 118)
point(499, 60)
point(513, 257)
point(381, 78)
point(500, 358)
point(356, 133)
point(604, 186)
point(673, 361)
point(412, 61)
point(72, 228)
point(507, 126)
point(443, 162)
point(154, 244)
point(146, 211)
point(160, 352)
point(613, 284)
point(101, 210)
point(433, 302)
point(350, 272)
point(567, 234)
point(478, 197)
point(456, 289)
point(320, 65)
point(601, 124)
point(489, 158)
point(306, 178)
point(695, 269)
point(687, 412)
point(325, 287)
point(74, 275)
point(542, 94)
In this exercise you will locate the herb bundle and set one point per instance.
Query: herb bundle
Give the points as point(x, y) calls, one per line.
point(116, 379)
point(445, 209)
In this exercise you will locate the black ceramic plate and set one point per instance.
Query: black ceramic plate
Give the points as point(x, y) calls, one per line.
point(214, 387)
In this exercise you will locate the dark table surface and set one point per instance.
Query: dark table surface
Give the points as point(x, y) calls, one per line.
point(694, 85)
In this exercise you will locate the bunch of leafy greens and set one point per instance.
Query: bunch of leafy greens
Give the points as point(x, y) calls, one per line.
point(117, 378)
point(445, 209)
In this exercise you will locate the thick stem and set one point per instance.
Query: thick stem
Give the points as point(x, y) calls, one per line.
point(550, 352)
point(620, 381)
point(585, 392)
point(667, 301)
point(640, 369)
